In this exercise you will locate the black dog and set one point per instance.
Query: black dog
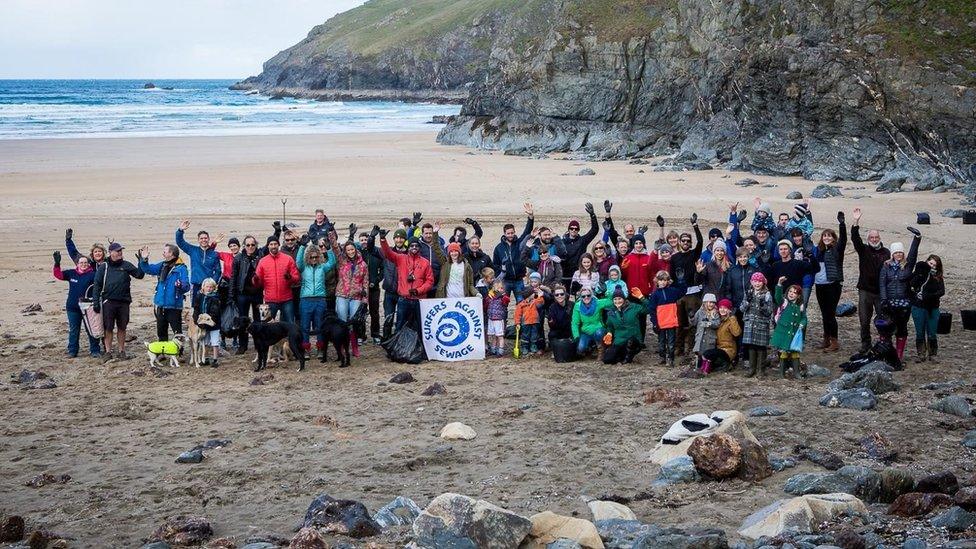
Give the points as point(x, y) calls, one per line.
point(266, 334)
point(336, 332)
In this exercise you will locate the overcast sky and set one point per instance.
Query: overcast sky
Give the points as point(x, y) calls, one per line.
point(152, 39)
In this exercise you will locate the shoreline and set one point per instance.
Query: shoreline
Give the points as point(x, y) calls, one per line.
point(160, 135)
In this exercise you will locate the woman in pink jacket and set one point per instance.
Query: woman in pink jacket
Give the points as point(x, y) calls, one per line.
point(352, 285)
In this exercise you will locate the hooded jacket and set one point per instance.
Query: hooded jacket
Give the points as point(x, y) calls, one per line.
point(204, 263)
point(507, 256)
point(353, 278)
point(170, 290)
point(408, 264)
point(313, 276)
point(624, 323)
point(895, 278)
point(112, 281)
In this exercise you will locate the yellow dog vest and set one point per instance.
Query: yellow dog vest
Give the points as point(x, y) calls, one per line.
point(164, 348)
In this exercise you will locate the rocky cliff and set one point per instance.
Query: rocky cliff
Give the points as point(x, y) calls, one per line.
point(826, 89)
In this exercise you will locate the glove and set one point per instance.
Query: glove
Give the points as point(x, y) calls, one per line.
point(469, 221)
point(352, 231)
point(637, 293)
point(417, 216)
point(413, 292)
point(694, 219)
point(742, 215)
point(608, 339)
point(606, 225)
point(840, 217)
point(288, 276)
point(607, 205)
point(304, 240)
point(276, 225)
point(57, 258)
point(914, 231)
point(589, 208)
point(642, 229)
point(660, 221)
point(68, 233)
point(383, 233)
point(374, 231)
point(97, 307)
point(491, 294)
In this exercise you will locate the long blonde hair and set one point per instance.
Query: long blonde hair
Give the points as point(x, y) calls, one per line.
point(313, 255)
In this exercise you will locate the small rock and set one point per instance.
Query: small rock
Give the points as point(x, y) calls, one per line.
point(32, 308)
point(718, 455)
point(914, 543)
point(402, 377)
point(454, 520)
point(943, 482)
point(457, 431)
point(609, 510)
point(755, 462)
point(879, 382)
point(956, 519)
point(895, 482)
point(846, 308)
point(586, 171)
point(821, 456)
point(222, 543)
point(41, 539)
point(263, 379)
point(956, 405)
point(825, 191)
point(12, 529)
point(44, 479)
point(779, 463)
point(953, 213)
point(340, 516)
point(190, 456)
point(746, 182)
point(435, 389)
point(621, 534)
point(966, 498)
point(400, 512)
point(766, 411)
point(856, 399)
point(794, 195)
point(848, 538)
point(26, 377)
point(184, 530)
point(917, 504)
point(814, 370)
point(679, 469)
point(548, 527)
point(42, 384)
point(308, 538)
point(879, 447)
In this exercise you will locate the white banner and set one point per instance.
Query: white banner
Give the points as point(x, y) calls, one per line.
point(453, 329)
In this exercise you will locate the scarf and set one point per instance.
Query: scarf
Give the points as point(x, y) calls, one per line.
point(585, 309)
point(167, 267)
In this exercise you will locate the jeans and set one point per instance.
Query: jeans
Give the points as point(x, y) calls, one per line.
point(926, 323)
point(516, 286)
point(528, 336)
point(408, 311)
point(346, 308)
point(867, 304)
point(807, 290)
point(585, 340)
point(287, 309)
point(245, 303)
point(828, 296)
point(74, 331)
point(312, 313)
point(665, 343)
point(168, 319)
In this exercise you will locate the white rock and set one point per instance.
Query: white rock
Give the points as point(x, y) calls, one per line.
point(606, 510)
point(457, 431)
point(801, 514)
point(547, 527)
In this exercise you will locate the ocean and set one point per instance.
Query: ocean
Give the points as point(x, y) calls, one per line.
point(34, 109)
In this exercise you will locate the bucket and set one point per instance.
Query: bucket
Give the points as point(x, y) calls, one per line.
point(945, 324)
point(968, 319)
point(923, 218)
point(563, 350)
point(969, 217)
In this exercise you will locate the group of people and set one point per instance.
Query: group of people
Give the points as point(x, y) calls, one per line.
point(727, 299)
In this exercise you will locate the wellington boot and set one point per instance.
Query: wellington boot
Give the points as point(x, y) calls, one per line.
point(832, 345)
point(933, 350)
point(921, 350)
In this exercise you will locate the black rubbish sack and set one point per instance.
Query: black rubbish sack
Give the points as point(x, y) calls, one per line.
point(405, 347)
point(968, 319)
point(228, 318)
point(945, 324)
point(563, 350)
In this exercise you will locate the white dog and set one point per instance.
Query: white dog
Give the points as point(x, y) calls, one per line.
point(169, 349)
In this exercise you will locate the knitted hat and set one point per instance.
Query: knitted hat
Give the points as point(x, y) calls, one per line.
point(758, 277)
point(895, 247)
point(784, 242)
point(665, 248)
point(400, 233)
point(714, 233)
point(637, 237)
point(764, 207)
point(800, 210)
point(535, 276)
point(271, 239)
point(726, 303)
point(574, 224)
point(719, 245)
point(708, 297)
point(233, 240)
point(453, 247)
point(414, 241)
point(619, 292)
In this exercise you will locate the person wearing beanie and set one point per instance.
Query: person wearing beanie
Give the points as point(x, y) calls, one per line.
point(637, 270)
point(662, 306)
point(713, 272)
point(894, 284)
point(757, 313)
point(661, 259)
point(791, 317)
point(457, 276)
point(829, 280)
point(415, 278)
point(615, 280)
point(739, 278)
point(275, 273)
point(706, 322)
point(803, 248)
point(802, 219)
point(624, 336)
point(389, 282)
point(790, 268)
point(763, 216)
point(719, 358)
point(575, 245)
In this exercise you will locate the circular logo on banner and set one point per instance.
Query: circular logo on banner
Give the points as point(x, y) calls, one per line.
point(455, 328)
point(452, 329)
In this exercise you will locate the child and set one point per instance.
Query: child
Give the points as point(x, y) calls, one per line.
point(757, 311)
point(486, 281)
point(614, 281)
point(707, 320)
point(496, 305)
point(728, 330)
point(527, 318)
point(586, 277)
point(663, 308)
point(207, 302)
point(801, 220)
point(550, 270)
point(763, 217)
point(790, 318)
point(624, 338)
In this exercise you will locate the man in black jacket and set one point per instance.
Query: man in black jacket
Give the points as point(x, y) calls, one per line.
point(112, 297)
point(683, 273)
point(507, 257)
point(870, 258)
point(476, 257)
point(576, 245)
point(243, 292)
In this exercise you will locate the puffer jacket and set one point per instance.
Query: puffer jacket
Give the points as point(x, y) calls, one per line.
point(112, 281)
point(478, 261)
point(353, 278)
point(739, 282)
point(171, 290)
point(560, 318)
point(276, 273)
point(313, 276)
point(706, 333)
point(242, 275)
point(894, 280)
point(589, 323)
point(204, 264)
point(407, 264)
point(636, 269)
point(389, 282)
point(832, 258)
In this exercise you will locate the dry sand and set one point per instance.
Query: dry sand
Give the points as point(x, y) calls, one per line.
point(585, 429)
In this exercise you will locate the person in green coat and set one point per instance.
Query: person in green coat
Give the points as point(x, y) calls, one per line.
point(587, 324)
point(623, 327)
point(790, 318)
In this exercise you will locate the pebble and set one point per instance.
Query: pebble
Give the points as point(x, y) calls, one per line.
point(434, 389)
point(794, 195)
point(679, 469)
point(766, 411)
point(191, 456)
point(956, 519)
point(403, 377)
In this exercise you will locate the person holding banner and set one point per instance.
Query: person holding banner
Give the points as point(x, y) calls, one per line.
point(414, 279)
point(457, 277)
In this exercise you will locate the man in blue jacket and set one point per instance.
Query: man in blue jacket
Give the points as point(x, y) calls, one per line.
point(171, 287)
point(204, 261)
point(507, 257)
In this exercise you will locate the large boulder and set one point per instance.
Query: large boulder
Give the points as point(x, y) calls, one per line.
point(730, 422)
point(851, 479)
point(457, 521)
point(681, 538)
point(755, 462)
point(801, 514)
point(340, 516)
point(825, 191)
point(610, 510)
point(400, 512)
point(966, 498)
point(917, 504)
point(678, 470)
point(879, 382)
point(718, 456)
point(943, 482)
point(956, 519)
point(548, 527)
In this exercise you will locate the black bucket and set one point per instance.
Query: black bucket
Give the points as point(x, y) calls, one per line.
point(969, 217)
point(945, 324)
point(923, 218)
point(563, 350)
point(968, 319)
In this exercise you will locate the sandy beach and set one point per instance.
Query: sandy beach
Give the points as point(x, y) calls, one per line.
point(547, 433)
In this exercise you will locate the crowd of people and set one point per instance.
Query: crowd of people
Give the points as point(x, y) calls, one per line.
point(726, 299)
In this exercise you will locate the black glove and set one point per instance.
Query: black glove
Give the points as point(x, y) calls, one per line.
point(607, 205)
point(68, 233)
point(742, 215)
point(642, 229)
point(288, 276)
point(97, 307)
point(469, 221)
point(383, 233)
point(606, 225)
point(914, 231)
point(57, 258)
point(375, 231)
point(352, 231)
point(764, 256)
point(413, 292)
point(589, 208)
point(303, 241)
point(660, 221)
point(840, 217)
point(694, 219)
point(417, 216)
point(276, 225)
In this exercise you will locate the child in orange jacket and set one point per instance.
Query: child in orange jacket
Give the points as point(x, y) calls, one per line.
point(527, 316)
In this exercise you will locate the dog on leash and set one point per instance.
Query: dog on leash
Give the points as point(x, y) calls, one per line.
point(169, 349)
point(267, 334)
point(336, 332)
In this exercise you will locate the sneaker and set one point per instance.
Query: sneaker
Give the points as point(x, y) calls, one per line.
point(108, 357)
point(96, 355)
point(377, 340)
point(362, 341)
point(123, 356)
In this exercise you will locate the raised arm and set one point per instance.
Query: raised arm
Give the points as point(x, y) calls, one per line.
point(69, 245)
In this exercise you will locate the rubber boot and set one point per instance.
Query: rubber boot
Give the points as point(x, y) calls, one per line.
point(306, 347)
point(784, 364)
point(353, 344)
point(933, 349)
point(599, 352)
point(921, 350)
point(797, 374)
point(832, 345)
point(706, 366)
point(753, 359)
point(900, 347)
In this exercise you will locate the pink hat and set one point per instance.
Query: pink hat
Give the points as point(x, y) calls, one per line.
point(725, 303)
point(758, 277)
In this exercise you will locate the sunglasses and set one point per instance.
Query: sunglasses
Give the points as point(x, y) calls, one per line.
point(584, 296)
point(599, 248)
point(686, 240)
point(559, 294)
point(574, 228)
point(289, 240)
point(250, 245)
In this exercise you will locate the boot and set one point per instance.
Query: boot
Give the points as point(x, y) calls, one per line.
point(900, 347)
point(825, 343)
point(353, 344)
point(761, 360)
point(784, 364)
point(599, 352)
point(921, 349)
point(797, 373)
point(933, 349)
point(706, 366)
point(320, 348)
point(832, 345)
point(753, 358)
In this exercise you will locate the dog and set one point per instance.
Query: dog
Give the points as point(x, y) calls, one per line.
point(267, 334)
point(169, 349)
point(195, 336)
point(336, 332)
point(281, 350)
